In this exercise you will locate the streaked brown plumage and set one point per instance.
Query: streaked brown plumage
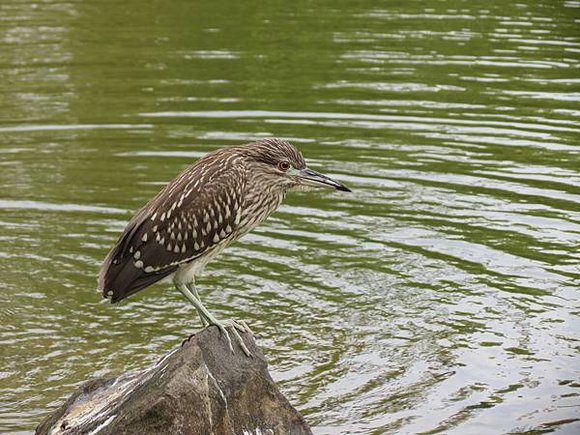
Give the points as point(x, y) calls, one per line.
point(208, 206)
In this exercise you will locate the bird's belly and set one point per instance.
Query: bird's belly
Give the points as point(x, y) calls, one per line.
point(186, 272)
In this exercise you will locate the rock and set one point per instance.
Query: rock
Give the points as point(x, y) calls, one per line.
point(200, 388)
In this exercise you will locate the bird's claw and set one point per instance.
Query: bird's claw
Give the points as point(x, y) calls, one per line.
point(240, 325)
point(244, 325)
point(225, 333)
point(235, 326)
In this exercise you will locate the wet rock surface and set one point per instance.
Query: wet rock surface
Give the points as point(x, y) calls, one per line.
point(200, 388)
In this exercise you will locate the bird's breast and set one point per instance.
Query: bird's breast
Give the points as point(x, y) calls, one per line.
point(248, 217)
point(258, 209)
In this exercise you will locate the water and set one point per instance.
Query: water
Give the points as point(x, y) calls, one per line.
point(440, 296)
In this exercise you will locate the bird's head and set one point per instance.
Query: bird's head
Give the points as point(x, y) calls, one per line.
point(279, 163)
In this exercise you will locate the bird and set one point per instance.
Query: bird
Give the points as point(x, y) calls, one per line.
point(211, 204)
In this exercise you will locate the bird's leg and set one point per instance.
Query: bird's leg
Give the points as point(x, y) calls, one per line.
point(240, 325)
point(192, 289)
point(211, 320)
point(206, 317)
point(246, 326)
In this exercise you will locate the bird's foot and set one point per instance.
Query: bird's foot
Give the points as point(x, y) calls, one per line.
point(234, 326)
point(243, 324)
point(208, 319)
point(239, 325)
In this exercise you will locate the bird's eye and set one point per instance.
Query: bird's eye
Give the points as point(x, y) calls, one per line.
point(284, 166)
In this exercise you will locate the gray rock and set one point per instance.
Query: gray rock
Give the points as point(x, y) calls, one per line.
point(200, 388)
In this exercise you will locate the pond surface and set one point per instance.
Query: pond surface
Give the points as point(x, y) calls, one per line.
point(442, 295)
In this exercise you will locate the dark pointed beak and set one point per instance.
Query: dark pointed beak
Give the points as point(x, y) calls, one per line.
point(316, 179)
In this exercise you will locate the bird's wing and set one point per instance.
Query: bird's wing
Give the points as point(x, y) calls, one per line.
point(188, 218)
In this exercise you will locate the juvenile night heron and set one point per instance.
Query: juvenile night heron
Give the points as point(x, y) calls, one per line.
point(211, 204)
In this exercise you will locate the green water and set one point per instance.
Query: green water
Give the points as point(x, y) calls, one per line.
point(442, 295)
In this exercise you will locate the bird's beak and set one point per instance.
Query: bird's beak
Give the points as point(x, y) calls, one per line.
point(312, 178)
